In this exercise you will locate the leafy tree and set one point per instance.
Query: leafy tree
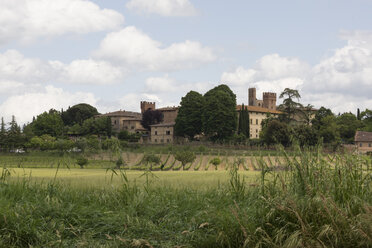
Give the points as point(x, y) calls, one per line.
point(189, 118)
point(290, 107)
point(151, 117)
point(63, 145)
point(347, 126)
point(97, 126)
point(151, 159)
point(328, 129)
point(131, 137)
point(48, 123)
point(366, 117)
point(44, 142)
point(215, 162)
point(78, 113)
point(81, 161)
point(185, 157)
point(319, 115)
point(276, 132)
point(305, 135)
point(219, 113)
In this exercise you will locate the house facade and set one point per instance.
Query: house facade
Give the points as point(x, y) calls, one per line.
point(162, 133)
point(363, 141)
point(125, 121)
point(256, 116)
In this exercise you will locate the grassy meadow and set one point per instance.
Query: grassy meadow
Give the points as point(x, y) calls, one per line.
point(308, 199)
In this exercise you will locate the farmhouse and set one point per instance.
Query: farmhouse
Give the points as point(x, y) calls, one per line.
point(125, 120)
point(162, 133)
point(363, 141)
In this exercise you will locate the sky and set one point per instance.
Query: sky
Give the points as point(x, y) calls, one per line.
point(113, 54)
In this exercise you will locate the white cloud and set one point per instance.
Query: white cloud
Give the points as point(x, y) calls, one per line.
point(134, 49)
point(27, 105)
point(88, 72)
point(15, 67)
point(27, 20)
point(163, 7)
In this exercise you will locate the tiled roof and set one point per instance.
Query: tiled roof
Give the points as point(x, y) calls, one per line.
point(122, 113)
point(168, 109)
point(258, 109)
point(363, 136)
point(170, 124)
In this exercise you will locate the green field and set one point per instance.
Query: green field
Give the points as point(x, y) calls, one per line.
point(307, 200)
point(100, 178)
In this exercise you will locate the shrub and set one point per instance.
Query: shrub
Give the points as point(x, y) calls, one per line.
point(81, 161)
point(185, 157)
point(215, 162)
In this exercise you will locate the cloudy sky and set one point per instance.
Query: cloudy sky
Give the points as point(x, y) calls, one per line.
point(114, 53)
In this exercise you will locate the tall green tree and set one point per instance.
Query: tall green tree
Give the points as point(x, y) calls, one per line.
point(347, 126)
point(366, 117)
point(290, 107)
point(243, 124)
point(48, 123)
point(2, 134)
point(219, 113)
point(189, 119)
point(14, 136)
point(78, 113)
point(319, 115)
point(276, 132)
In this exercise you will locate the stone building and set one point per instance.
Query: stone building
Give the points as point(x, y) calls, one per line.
point(268, 99)
point(363, 141)
point(169, 113)
point(162, 133)
point(125, 120)
point(256, 116)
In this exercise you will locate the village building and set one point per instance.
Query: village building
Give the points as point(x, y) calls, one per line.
point(363, 141)
point(256, 116)
point(162, 133)
point(125, 121)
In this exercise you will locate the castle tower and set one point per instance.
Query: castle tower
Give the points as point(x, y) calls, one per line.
point(147, 105)
point(252, 100)
point(269, 100)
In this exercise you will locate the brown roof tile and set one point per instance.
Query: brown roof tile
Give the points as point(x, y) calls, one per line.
point(259, 109)
point(122, 113)
point(362, 136)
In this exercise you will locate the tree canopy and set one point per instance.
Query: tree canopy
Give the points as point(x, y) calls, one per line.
point(219, 113)
point(78, 113)
point(189, 118)
point(151, 117)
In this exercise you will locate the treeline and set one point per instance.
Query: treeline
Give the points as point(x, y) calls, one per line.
point(76, 128)
point(213, 116)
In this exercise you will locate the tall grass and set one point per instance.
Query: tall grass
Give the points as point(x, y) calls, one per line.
point(310, 200)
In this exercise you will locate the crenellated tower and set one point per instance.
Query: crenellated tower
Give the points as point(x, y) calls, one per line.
point(146, 106)
point(269, 100)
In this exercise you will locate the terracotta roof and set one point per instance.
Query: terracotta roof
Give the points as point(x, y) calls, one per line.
point(363, 136)
point(167, 109)
point(123, 113)
point(170, 124)
point(259, 109)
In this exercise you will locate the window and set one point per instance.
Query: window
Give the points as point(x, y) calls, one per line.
point(369, 145)
point(115, 122)
point(256, 130)
point(156, 141)
point(167, 140)
point(156, 132)
point(132, 127)
point(256, 121)
point(168, 132)
point(360, 144)
point(251, 121)
point(256, 136)
point(123, 122)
